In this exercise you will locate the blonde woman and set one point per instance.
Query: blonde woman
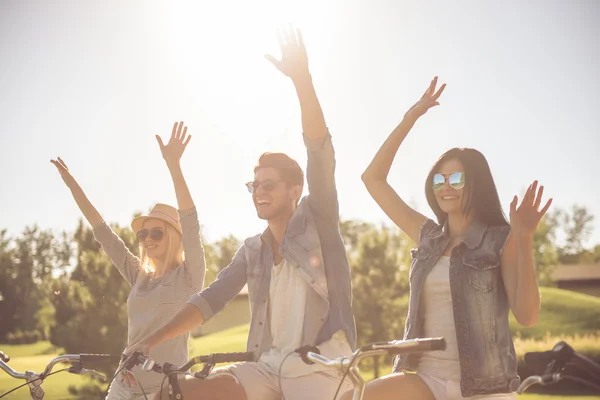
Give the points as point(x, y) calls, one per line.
point(170, 268)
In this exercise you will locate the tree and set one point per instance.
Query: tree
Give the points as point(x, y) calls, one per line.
point(577, 226)
point(27, 263)
point(91, 306)
point(219, 255)
point(8, 287)
point(379, 281)
point(544, 250)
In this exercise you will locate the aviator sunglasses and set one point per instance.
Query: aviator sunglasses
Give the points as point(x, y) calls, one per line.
point(156, 234)
point(455, 179)
point(268, 185)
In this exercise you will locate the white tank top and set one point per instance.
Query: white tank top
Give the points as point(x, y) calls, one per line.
point(436, 303)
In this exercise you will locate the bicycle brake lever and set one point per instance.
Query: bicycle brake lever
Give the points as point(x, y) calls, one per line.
point(79, 370)
point(94, 373)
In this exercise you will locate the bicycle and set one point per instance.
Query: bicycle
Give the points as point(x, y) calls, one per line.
point(35, 380)
point(172, 372)
point(349, 365)
point(554, 362)
point(310, 354)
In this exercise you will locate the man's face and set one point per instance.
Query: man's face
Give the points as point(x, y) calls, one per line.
point(271, 195)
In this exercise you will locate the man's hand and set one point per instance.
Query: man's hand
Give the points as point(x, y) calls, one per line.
point(294, 61)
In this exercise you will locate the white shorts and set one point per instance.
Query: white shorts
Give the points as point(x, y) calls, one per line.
point(259, 384)
point(443, 389)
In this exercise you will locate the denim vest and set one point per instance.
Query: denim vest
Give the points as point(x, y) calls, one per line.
point(488, 362)
point(312, 244)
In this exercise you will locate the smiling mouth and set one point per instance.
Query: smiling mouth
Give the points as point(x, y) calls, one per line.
point(449, 197)
point(152, 246)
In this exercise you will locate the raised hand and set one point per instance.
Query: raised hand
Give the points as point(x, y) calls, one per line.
point(427, 101)
point(294, 60)
point(525, 218)
point(173, 150)
point(64, 172)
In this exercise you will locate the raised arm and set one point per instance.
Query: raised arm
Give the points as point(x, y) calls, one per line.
point(194, 263)
point(375, 176)
point(127, 263)
point(517, 261)
point(321, 159)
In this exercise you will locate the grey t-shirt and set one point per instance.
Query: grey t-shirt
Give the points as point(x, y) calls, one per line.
point(152, 303)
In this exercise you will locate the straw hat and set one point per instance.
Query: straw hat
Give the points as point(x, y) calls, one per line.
point(160, 211)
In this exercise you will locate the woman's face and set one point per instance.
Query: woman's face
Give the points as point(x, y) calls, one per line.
point(153, 238)
point(448, 186)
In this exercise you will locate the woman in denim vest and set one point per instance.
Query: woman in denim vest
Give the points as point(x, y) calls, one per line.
point(470, 269)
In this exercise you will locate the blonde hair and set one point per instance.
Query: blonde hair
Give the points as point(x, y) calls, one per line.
point(173, 257)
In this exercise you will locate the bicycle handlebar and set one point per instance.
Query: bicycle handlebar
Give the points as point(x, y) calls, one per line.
point(150, 365)
point(404, 346)
point(393, 348)
point(554, 361)
point(66, 358)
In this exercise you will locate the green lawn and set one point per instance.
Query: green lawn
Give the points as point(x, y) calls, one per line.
point(563, 313)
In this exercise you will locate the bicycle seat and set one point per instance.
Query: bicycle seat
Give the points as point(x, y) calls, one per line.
point(552, 361)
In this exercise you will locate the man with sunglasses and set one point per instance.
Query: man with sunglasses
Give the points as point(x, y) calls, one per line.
point(297, 271)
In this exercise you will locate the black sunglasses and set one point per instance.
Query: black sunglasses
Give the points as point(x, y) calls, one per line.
point(268, 185)
point(156, 234)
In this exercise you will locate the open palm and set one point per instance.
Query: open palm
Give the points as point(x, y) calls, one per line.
point(427, 101)
point(294, 60)
point(173, 150)
point(525, 218)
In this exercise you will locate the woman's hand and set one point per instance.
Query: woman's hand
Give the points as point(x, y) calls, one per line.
point(64, 172)
point(427, 101)
point(173, 150)
point(525, 218)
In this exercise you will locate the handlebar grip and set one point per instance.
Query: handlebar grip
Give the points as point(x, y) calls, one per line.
point(4, 357)
point(232, 357)
point(98, 358)
point(419, 345)
point(437, 344)
point(303, 351)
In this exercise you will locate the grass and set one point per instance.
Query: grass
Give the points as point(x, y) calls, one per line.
point(563, 313)
point(568, 316)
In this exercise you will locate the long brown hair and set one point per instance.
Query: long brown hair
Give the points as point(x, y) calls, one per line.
point(480, 193)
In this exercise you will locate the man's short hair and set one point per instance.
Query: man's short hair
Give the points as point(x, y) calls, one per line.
point(287, 168)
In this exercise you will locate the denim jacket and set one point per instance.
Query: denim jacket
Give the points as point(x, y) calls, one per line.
point(487, 355)
point(313, 244)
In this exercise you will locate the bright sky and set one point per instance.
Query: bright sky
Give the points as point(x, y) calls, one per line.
point(94, 81)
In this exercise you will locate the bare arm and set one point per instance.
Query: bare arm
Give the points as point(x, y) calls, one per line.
point(126, 262)
point(375, 176)
point(294, 64)
point(87, 209)
point(195, 263)
point(172, 153)
point(517, 261)
point(320, 172)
